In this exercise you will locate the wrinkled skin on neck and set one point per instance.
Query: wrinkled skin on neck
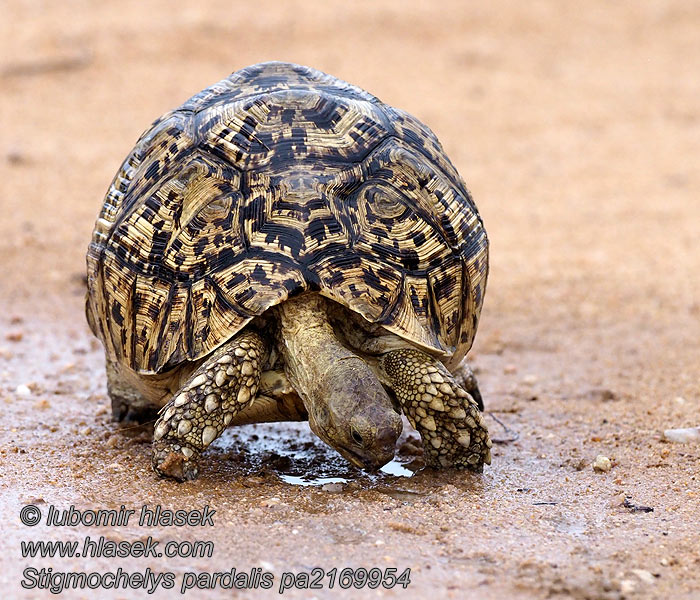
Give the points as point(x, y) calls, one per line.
point(347, 405)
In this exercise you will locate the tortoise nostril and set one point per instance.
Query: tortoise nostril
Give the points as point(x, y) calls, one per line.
point(357, 438)
point(387, 436)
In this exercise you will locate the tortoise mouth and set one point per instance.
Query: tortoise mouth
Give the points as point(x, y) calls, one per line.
point(359, 460)
point(364, 462)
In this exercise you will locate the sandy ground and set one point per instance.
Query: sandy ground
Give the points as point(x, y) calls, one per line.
point(576, 126)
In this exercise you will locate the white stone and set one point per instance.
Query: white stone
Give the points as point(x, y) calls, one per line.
point(333, 487)
point(23, 390)
point(602, 464)
point(682, 436)
point(645, 576)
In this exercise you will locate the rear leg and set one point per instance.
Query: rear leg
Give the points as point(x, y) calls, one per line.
point(128, 404)
point(466, 379)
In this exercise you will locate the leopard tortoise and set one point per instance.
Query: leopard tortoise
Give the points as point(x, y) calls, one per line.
point(285, 246)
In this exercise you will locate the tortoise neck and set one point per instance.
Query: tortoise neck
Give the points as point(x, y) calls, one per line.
point(308, 342)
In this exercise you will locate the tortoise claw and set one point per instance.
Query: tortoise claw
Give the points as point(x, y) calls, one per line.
point(170, 461)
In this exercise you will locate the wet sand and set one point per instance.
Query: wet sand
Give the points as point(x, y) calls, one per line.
point(576, 127)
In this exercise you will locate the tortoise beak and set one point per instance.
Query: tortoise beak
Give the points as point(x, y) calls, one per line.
point(371, 463)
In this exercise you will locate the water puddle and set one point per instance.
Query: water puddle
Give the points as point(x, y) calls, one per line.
point(294, 454)
point(306, 480)
point(398, 469)
point(393, 468)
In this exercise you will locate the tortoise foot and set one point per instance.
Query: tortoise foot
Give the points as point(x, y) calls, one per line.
point(446, 416)
point(175, 461)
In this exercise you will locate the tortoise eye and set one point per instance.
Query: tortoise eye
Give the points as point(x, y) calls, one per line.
point(357, 438)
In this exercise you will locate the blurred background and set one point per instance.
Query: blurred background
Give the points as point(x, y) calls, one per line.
point(577, 128)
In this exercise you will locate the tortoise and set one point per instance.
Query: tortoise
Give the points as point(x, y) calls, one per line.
point(285, 246)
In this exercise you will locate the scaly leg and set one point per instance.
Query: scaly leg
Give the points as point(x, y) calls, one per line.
point(467, 380)
point(221, 387)
point(447, 417)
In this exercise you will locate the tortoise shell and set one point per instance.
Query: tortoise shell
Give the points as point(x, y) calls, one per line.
point(276, 180)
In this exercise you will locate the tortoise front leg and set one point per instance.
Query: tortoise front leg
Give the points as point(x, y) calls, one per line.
point(447, 417)
point(221, 387)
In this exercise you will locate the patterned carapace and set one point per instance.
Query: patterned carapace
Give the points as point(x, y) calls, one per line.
point(275, 180)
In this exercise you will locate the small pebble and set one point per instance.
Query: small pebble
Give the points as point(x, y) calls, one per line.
point(530, 379)
point(602, 464)
point(682, 436)
point(113, 441)
point(619, 500)
point(603, 394)
point(270, 502)
point(253, 481)
point(333, 488)
point(14, 336)
point(644, 576)
point(15, 157)
point(510, 369)
point(679, 400)
point(23, 390)
point(34, 500)
point(627, 586)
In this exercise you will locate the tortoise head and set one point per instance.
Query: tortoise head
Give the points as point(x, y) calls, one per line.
point(356, 416)
point(348, 407)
